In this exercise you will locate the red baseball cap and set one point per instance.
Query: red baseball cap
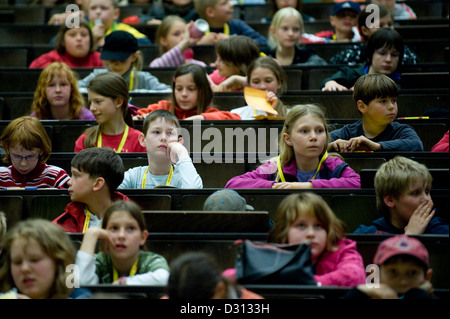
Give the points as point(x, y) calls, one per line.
point(401, 245)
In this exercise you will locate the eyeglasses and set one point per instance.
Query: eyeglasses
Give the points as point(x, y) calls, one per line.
point(394, 54)
point(27, 158)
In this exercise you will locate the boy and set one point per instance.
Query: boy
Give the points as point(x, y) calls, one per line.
point(219, 15)
point(402, 188)
point(103, 16)
point(404, 271)
point(376, 99)
point(356, 54)
point(96, 174)
point(163, 143)
point(343, 21)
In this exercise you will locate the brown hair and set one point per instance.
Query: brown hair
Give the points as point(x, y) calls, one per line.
point(28, 132)
point(238, 50)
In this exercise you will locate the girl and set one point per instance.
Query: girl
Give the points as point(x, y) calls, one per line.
point(121, 55)
point(234, 55)
point(303, 161)
point(108, 99)
point(28, 147)
point(285, 33)
point(174, 43)
point(36, 262)
point(57, 96)
point(267, 75)
point(73, 46)
point(169, 163)
point(305, 217)
point(191, 97)
point(123, 259)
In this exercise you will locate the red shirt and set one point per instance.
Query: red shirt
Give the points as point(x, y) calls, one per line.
point(131, 145)
point(92, 60)
point(211, 113)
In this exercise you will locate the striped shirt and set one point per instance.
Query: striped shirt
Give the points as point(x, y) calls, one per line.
point(43, 176)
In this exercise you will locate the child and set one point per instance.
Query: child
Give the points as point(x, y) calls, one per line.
point(343, 21)
point(122, 56)
point(196, 275)
point(356, 53)
point(108, 98)
point(219, 15)
point(399, 11)
point(174, 43)
point(384, 52)
point(57, 96)
point(37, 258)
point(376, 99)
point(402, 188)
point(96, 174)
point(169, 163)
point(306, 218)
point(103, 16)
point(404, 268)
point(73, 46)
point(442, 144)
point(123, 259)
point(276, 5)
point(285, 33)
point(28, 148)
point(159, 10)
point(267, 75)
point(303, 161)
point(234, 55)
point(191, 97)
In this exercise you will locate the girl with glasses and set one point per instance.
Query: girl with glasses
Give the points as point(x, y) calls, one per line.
point(28, 147)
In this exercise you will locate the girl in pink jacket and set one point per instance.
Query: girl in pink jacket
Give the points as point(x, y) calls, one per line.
point(303, 161)
point(305, 217)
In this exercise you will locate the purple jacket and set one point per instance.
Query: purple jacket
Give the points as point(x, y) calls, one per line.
point(263, 176)
point(343, 267)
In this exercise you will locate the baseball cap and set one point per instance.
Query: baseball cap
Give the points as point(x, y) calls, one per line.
point(401, 245)
point(226, 200)
point(119, 45)
point(347, 5)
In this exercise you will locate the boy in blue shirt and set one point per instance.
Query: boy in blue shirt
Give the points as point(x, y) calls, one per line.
point(219, 15)
point(376, 99)
point(402, 188)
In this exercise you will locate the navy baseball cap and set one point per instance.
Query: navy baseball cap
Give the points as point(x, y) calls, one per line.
point(119, 45)
point(347, 5)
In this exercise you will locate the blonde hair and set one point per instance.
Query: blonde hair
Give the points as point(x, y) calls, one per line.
point(55, 242)
point(163, 30)
point(278, 18)
point(395, 176)
point(28, 132)
point(296, 112)
point(306, 203)
point(202, 5)
point(40, 104)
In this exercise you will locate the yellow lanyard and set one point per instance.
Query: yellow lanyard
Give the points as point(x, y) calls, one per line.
point(280, 171)
point(122, 142)
point(86, 221)
point(131, 80)
point(132, 271)
point(169, 178)
point(226, 29)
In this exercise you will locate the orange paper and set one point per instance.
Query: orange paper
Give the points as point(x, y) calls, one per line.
point(257, 99)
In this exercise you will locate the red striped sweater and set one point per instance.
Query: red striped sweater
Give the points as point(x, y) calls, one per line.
point(43, 176)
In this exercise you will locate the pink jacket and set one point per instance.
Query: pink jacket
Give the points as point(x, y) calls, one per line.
point(344, 267)
point(264, 176)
